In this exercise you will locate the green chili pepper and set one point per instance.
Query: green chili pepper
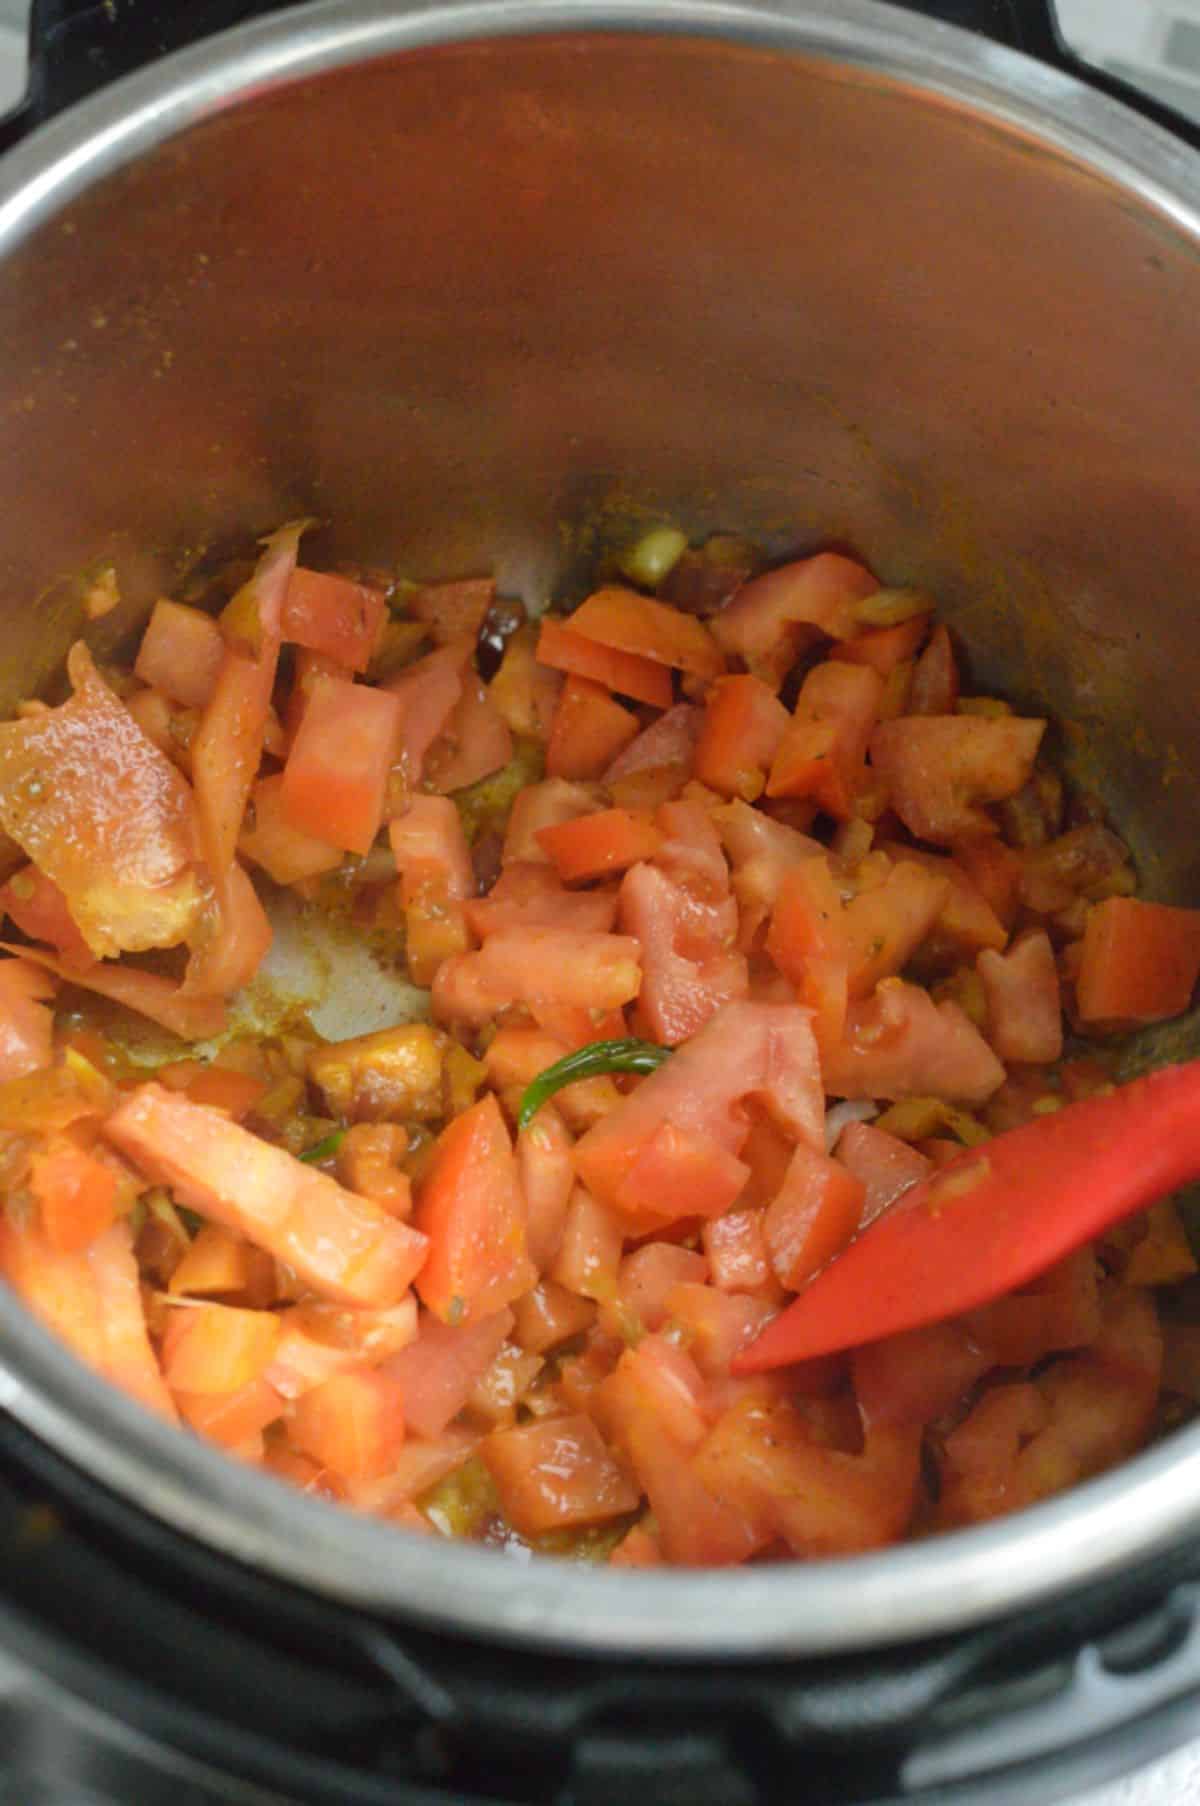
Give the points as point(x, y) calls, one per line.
point(586, 1063)
point(324, 1149)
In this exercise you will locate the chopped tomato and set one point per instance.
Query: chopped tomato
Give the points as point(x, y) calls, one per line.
point(884, 1165)
point(715, 1325)
point(556, 1474)
point(217, 1348)
point(524, 692)
point(526, 895)
point(552, 965)
point(935, 680)
point(541, 806)
point(807, 942)
point(822, 752)
point(436, 879)
point(76, 1194)
point(336, 776)
point(884, 648)
point(454, 610)
point(549, 1315)
point(746, 1050)
point(593, 846)
point(228, 744)
point(428, 693)
point(352, 1424)
point(736, 1250)
point(589, 1253)
point(26, 1025)
point(334, 616)
point(626, 674)
point(180, 653)
point(677, 1166)
point(816, 1212)
point(1140, 962)
point(688, 970)
point(646, 1278)
point(590, 730)
point(744, 722)
point(899, 1043)
point(637, 625)
point(269, 840)
point(1023, 1002)
point(122, 853)
point(438, 1371)
point(939, 768)
point(668, 744)
point(230, 1418)
point(995, 871)
point(774, 616)
point(343, 1246)
point(216, 1262)
point(470, 1207)
point(39, 909)
point(967, 922)
point(883, 928)
point(474, 742)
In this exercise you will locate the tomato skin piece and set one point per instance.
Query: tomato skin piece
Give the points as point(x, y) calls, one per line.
point(556, 1474)
point(561, 646)
point(26, 1025)
point(593, 846)
point(336, 776)
point(235, 939)
point(807, 942)
point(437, 1372)
point(884, 1165)
point(817, 1211)
point(163, 1001)
point(744, 722)
point(180, 653)
point(590, 730)
point(332, 615)
point(1140, 962)
point(104, 814)
point(344, 1247)
point(823, 749)
point(629, 622)
point(938, 768)
point(899, 1043)
point(773, 616)
point(40, 910)
point(469, 1205)
point(1024, 1006)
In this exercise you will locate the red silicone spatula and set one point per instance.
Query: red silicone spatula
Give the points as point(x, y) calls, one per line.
point(997, 1217)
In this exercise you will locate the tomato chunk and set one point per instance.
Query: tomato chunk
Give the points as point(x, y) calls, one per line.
point(334, 616)
point(592, 846)
point(626, 673)
point(939, 768)
point(899, 1043)
point(589, 731)
point(1023, 1002)
point(180, 653)
point(774, 616)
point(744, 723)
point(470, 1207)
point(818, 1209)
point(353, 1424)
point(556, 1474)
point(1140, 961)
point(335, 779)
point(823, 749)
point(638, 625)
point(26, 1025)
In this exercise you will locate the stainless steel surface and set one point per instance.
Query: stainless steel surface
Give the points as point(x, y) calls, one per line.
point(451, 276)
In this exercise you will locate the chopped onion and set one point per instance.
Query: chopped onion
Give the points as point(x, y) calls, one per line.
point(855, 1109)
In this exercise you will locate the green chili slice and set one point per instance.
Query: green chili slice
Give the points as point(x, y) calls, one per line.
point(587, 1063)
point(324, 1149)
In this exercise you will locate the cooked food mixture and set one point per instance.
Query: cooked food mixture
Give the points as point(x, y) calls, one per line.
point(734, 916)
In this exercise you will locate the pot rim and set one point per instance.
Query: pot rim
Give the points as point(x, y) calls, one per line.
point(797, 1609)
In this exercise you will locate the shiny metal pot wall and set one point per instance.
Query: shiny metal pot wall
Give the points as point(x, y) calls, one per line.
point(452, 278)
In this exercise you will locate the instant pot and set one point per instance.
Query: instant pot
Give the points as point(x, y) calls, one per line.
point(468, 281)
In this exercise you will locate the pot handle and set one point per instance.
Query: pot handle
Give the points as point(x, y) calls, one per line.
point(77, 46)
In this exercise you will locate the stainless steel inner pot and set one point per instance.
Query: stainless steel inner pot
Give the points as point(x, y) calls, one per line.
point(462, 279)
